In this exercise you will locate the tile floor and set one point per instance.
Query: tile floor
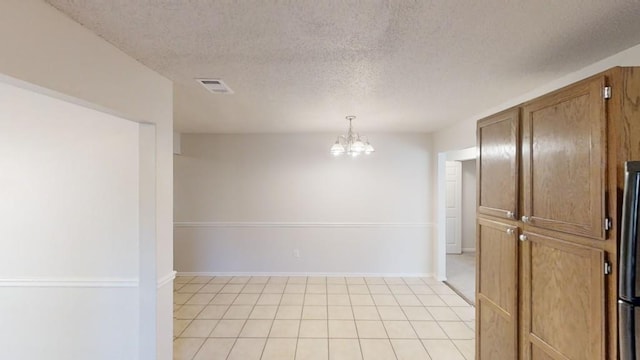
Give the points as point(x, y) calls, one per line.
point(320, 318)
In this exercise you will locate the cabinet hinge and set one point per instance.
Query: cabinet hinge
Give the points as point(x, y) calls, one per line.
point(607, 268)
point(606, 92)
point(607, 224)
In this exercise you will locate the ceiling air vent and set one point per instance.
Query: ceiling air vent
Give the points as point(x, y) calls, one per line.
point(216, 86)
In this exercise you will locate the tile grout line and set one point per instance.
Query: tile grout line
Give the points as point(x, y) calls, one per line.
point(458, 348)
point(326, 302)
point(249, 315)
point(204, 307)
point(218, 323)
point(425, 308)
point(306, 279)
point(182, 305)
point(196, 315)
point(355, 324)
point(175, 291)
point(222, 316)
point(274, 315)
point(382, 321)
point(245, 321)
point(438, 321)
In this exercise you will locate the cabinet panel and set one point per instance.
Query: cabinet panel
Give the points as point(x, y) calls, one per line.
point(563, 300)
point(564, 160)
point(537, 354)
point(496, 306)
point(498, 164)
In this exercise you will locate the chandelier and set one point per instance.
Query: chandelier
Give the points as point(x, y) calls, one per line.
point(351, 143)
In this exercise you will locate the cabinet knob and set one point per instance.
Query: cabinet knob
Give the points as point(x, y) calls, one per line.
point(523, 237)
point(510, 231)
point(525, 219)
point(510, 214)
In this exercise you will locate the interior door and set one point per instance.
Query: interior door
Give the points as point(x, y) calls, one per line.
point(562, 300)
point(497, 286)
point(454, 207)
point(564, 160)
point(498, 162)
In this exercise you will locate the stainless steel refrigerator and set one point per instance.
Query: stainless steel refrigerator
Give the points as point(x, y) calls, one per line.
point(629, 267)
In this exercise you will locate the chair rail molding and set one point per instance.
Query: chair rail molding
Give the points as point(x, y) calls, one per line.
point(279, 224)
point(93, 282)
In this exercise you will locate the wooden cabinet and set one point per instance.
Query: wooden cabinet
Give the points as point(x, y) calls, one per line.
point(498, 147)
point(564, 160)
point(558, 168)
point(496, 301)
point(562, 299)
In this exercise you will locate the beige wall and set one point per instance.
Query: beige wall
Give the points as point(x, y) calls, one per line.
point(44, 47)
point(244, 203)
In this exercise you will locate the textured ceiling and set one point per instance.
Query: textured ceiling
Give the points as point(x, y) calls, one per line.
point(299, 66)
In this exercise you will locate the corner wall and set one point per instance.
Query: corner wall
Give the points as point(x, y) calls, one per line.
point(42, 46)
point(253, 203)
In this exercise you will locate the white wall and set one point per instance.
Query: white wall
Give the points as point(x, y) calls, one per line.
point(469, 205)
point(44, 47)
point(244, 203)
point(69, 216)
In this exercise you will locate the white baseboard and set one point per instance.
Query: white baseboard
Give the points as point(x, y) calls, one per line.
point(167, 279)
point(468, 249)
point(205, 273)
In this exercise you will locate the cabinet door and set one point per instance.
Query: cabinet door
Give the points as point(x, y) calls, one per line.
point(498, 164)
point(497, 286)
point(564, 160)
point(562, 300)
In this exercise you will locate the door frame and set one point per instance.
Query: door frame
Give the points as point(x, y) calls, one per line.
point(456, 212)
point(441, 247)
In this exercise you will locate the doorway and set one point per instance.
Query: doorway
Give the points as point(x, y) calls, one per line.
point(457, 221)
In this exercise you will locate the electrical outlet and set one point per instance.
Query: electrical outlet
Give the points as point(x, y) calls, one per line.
point(296, 253)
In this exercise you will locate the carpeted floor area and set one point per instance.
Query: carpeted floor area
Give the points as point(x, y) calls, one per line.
point(461, 274)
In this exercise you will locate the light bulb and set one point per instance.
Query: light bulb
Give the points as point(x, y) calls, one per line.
point(358, 146)
point(368, 149)
point(337, 149)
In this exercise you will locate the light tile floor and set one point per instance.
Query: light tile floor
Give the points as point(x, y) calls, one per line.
point(320, 318)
